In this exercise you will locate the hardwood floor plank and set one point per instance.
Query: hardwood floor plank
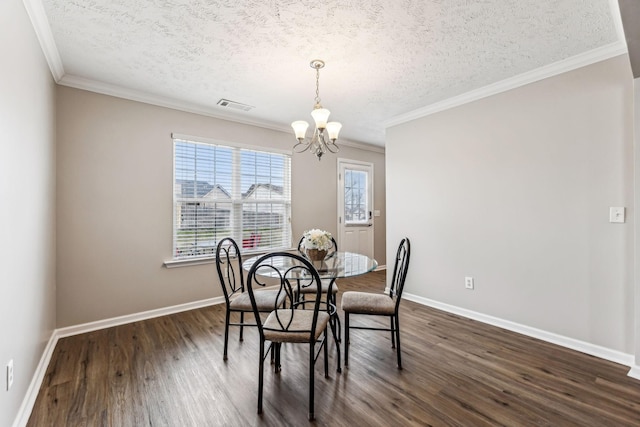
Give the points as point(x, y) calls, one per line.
point(169, 371)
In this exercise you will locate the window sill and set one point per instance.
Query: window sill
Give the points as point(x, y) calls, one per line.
point(175, 263)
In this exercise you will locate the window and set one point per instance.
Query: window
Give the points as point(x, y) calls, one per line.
point(222, 190)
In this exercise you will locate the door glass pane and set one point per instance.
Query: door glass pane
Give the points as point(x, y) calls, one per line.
point(355, 197)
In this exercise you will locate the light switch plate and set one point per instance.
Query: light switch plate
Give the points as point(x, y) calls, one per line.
point(616, 214)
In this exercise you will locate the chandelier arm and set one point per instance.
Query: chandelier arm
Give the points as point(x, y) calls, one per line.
point(301, 147)
point(333, 148)
point(309, 144)
point(330, 145)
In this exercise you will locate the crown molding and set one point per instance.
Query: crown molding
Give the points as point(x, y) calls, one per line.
point(144, 97)
point(361, 145)
point(41, 26)
point(160, 101)
point(596, 55)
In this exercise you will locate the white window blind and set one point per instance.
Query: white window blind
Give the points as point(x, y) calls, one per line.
point(229, 191)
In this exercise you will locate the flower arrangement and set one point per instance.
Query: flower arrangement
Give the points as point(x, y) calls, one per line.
point(317, 239)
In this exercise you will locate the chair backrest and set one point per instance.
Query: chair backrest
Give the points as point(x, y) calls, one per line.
point(400, 270)
point(229, 266)
point(332, 250)
point(285, 271)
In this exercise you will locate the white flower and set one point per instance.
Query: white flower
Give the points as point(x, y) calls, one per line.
point(317, 239)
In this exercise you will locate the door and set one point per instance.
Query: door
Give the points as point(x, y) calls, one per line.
point(355, 206)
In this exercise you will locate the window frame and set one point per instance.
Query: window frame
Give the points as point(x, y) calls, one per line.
point(236, 201)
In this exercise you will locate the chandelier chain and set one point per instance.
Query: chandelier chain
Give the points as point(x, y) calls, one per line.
point(317, 85)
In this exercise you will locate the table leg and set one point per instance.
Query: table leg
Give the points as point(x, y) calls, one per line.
point(334, 322)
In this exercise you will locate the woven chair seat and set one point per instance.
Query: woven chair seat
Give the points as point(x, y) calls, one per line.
point(368, 303)
point(265, 300)
point(300, 328)
point(311, 289)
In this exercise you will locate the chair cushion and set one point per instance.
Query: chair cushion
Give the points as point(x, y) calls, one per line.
point(368, 303)
point(265, 300)
point(312, 289)
point(300, 328)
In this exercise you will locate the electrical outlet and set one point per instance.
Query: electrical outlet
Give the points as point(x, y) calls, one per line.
point(468, 282)
point(616, 214)
point(9, 374)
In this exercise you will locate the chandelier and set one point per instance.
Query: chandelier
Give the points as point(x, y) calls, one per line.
point(325, 135)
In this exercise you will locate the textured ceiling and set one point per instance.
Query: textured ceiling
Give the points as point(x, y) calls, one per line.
point(385, 58)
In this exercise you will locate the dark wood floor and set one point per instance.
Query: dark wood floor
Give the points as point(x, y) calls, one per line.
point(169, 371)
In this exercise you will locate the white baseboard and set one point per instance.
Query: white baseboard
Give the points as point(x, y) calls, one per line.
point(582, 346)
point(36, 382)
point(130, 318)
point(34, 387)
point(635, 372)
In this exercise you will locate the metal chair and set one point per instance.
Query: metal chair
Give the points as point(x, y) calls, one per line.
point(289, 325)
point(367, 303)
point(230, 274)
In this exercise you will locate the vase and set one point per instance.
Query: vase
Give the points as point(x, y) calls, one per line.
point(316, 254)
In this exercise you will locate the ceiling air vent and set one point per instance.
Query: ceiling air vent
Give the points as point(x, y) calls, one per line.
point(235, 105)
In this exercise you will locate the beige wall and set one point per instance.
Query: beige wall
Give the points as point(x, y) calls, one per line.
point(114, 201)
point(514, 190)
point(27, 187)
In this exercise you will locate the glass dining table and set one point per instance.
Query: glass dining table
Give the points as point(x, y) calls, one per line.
point(335, 266)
